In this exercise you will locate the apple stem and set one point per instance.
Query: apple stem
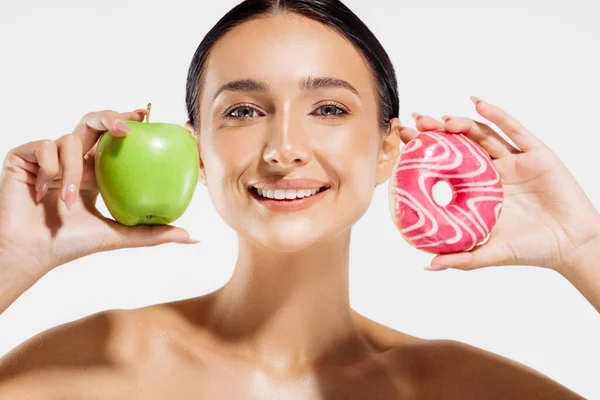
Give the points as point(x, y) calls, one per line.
point(148, 115)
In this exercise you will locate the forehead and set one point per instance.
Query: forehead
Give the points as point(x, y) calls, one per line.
point(280, 50)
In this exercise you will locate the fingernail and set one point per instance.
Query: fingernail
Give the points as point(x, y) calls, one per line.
point(446, 118)
point(70, 195)
point(475, 100)
point(437, 267)
point(122, 126)
point(188, 241)
point(41, 191)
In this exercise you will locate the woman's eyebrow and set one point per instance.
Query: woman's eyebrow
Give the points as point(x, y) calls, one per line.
point(308, 83)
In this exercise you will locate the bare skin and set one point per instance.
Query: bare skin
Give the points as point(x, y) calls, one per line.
point(168, 351)
point(282, 327)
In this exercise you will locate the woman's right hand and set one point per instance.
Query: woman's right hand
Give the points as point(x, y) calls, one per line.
point(48, 193)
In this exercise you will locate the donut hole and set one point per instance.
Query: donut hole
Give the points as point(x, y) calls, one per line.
point(442, 193)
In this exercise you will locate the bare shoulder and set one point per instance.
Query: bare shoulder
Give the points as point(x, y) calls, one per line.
point(451, 369)
point(383, 337)
point(90, 350)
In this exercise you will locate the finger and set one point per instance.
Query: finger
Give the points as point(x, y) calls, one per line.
point(70, 155)
point(524, 139)
point(426, 123)
point(88, 180)
point(122, 236)
point(91, 153)
point(94, 124)
point(44, 154)
point(407, 134)
point(88, 177)
point(489, 254)
point(482, 134)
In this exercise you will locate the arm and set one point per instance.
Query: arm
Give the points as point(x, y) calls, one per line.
point(14, 281)
point(583, 270)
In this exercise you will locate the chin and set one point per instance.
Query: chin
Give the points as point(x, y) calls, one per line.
point(289, 247)
point(287, 240)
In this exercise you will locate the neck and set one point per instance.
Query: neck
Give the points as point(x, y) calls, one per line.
point(289, 310)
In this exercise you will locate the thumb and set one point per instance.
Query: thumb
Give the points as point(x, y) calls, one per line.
point(121, 236)
point(491, 253)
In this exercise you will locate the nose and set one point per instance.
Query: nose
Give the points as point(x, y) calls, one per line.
point(287, 143)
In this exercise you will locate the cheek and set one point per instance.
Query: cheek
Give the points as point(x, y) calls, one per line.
point(352, 163)
point(353, 157)
point(226, 157)
point(228, 154)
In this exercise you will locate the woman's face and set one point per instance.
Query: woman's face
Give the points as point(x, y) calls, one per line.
point(329, 134)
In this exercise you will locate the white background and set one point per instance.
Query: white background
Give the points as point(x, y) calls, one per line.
point(537, 60)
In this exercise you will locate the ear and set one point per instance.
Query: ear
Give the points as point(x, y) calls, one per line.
point(389, 152)
point(201, 172)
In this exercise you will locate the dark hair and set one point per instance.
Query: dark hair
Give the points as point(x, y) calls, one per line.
point(332, 13)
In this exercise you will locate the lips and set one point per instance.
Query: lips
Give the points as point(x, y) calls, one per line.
point(255, 192)
point(278, 183)
point(289, 204)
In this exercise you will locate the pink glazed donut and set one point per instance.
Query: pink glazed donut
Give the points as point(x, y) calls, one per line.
point(477, 193)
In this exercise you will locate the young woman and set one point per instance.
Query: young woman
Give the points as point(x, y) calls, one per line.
point(296, 95)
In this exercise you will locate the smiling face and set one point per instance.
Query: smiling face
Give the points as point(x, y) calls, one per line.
point(267, 120)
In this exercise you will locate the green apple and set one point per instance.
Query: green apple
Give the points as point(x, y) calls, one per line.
point(149, 175)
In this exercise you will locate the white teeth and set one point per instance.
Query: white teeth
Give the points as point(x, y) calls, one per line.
point(286, 194)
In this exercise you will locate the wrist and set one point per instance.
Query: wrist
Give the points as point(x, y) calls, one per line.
point(14, 281)
point(583, 270)
point(585, 256)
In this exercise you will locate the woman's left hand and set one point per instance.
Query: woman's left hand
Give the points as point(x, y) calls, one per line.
point(546, 216)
